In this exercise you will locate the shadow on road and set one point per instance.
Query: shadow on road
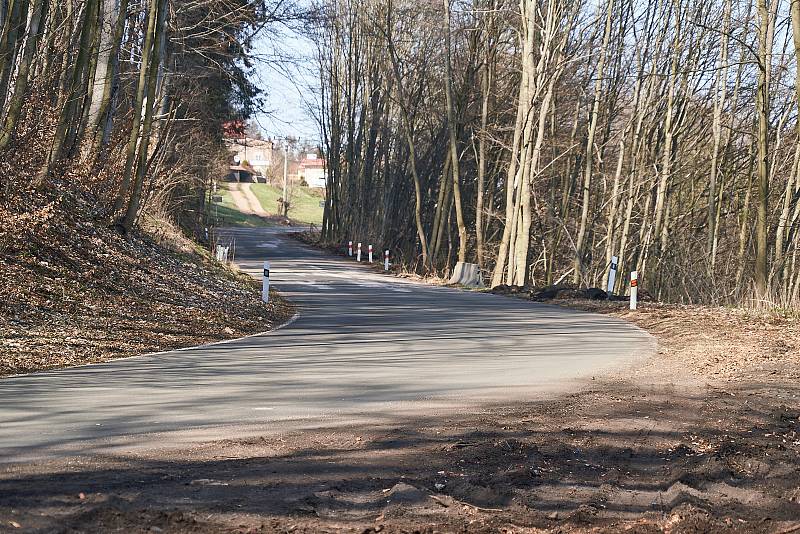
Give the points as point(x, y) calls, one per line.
point(364, 344)
point(621, 455)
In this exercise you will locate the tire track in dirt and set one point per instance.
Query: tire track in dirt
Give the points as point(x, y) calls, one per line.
point(246, 201)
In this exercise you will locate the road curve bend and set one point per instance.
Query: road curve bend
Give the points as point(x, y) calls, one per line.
point(365, 347)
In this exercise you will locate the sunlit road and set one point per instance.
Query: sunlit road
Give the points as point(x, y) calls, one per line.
point(364, 348)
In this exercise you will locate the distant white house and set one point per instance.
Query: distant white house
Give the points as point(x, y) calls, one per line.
point(313, 171)
point(254, 154)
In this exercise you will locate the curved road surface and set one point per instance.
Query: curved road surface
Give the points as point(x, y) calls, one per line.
point(365, 347)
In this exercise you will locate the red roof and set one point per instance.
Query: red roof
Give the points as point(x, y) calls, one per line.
point(313, 163)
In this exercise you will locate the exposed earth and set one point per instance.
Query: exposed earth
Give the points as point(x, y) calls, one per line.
point(246, 201)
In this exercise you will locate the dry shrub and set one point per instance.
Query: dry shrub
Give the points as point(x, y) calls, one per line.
point(157, 225)
point(776, 300)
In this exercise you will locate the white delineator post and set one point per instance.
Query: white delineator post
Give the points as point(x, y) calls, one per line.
point(612, 275)
point(350, 248)
point(358, 257)
point(369, 248)
point(634, 289)
point(285, 201)
point(386, 261)
point(265, 285)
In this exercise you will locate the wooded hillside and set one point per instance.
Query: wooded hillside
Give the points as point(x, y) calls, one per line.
point(111, 133)
point(541, 138)
point(124, 100)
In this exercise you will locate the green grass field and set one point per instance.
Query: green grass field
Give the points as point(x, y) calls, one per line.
point(304, 208)
point(227, 214)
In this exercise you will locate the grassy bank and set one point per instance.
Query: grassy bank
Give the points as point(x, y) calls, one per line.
point(304, 205)
point(226, 213)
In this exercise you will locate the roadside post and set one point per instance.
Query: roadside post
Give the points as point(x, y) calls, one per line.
point(634, 289)
point(386, 261)
point(358, 257)
point(265, 285)
point(370, 253)
point(350, 249)
point(222, 253)
point(612, 275)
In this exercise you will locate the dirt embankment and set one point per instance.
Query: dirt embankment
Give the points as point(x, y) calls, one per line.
point(74, 291)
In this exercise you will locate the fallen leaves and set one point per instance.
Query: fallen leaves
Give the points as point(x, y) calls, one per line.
point(76, 292)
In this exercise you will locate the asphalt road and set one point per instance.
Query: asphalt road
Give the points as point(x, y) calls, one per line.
point(365, 347)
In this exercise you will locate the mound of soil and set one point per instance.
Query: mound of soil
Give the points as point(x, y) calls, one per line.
point(564, 292)
point(76, 291)
point(554, 292)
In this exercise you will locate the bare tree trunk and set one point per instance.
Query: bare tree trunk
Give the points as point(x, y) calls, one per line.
point(611, 225)
point(69, 116)
point(669, 135)
point(510, 187)
point(442, 208)
point(720, 94)
point(141, 92)
point(546, 31)
point(409, 135)
point(134, 204)
point(578, 275)
point(487, 75)
point(766, 29)
point(794, 179)
point(13, 30)
point(453, 131)
point(744, 223)
point(23, 72)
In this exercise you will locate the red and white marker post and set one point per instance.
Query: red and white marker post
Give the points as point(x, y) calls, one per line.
point(369, 251)
point(386, 261)
point(358, 257)
point(634, 289)
point(350, 248)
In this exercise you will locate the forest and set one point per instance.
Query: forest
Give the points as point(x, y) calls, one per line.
point(122, 104)
point(541, 138)
point(538, 139)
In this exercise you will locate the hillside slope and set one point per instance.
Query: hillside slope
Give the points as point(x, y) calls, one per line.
point(238, 198)
point(74, 291)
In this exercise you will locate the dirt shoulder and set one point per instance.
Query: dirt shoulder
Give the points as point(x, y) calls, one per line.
point(76, 292)
point(703, 437)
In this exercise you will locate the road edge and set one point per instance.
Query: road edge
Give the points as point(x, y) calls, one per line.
point(281, 326)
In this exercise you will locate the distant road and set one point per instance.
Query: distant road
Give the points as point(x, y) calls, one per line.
point(364, 348)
